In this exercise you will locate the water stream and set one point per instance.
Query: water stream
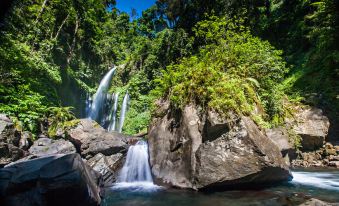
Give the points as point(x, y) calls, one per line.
point(123, 111)
point(320, 184)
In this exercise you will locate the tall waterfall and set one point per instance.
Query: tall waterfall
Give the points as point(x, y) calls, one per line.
point(112, 124)
point(100, 97)
point(136, 167)
point(123, 112)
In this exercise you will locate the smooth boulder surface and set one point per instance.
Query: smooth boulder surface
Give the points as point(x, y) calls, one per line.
point(90, 139)
point(201, 151)
point(50, 181)
point(45, 146)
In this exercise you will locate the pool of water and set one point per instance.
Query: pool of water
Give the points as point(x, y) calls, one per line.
point(320, 184)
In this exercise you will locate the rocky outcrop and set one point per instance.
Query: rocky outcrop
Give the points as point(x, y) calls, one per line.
point(107, 166)
point(316, 202)
point(9, 142)
point(190, 150)
point(45, 146)
point(90, 139)
point(54, 180)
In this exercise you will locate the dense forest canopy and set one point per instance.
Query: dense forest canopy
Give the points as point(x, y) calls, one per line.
point(223, 54)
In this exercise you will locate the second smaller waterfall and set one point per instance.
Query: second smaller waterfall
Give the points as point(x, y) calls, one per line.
point(136, 173)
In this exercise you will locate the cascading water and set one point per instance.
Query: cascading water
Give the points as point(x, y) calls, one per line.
point(136, 172)
point(324, 180)
point(123, 112)
point(112, 124)
point(98, 104)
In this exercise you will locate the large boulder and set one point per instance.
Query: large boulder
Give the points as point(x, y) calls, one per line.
point(107, 166)
point(311, 125)
point(45, 146)
point(48, 181)
point(192, 150)
point(90, 139)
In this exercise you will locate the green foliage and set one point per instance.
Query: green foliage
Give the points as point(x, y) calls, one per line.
point(57, 118)
point(234, 71)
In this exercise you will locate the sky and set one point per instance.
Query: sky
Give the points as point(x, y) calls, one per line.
point(139, 5)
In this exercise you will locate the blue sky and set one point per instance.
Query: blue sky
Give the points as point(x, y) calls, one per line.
point(139, 5)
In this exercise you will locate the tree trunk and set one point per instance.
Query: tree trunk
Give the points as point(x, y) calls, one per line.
point(41, 10)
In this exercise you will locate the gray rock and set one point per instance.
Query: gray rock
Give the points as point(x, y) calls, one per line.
point(107, 166)
point(8, 133)
point(316, 202)
point(280, 137)
point(46, 146)
point(90, 139)
point(312, 126)
point(189, 150)
point(25, 140)
point(9, 153)
point(54, 180)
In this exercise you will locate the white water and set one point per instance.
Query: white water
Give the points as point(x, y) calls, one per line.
point(112, 124)
point(324, 180)
point(100, 97)
point(123, 112)
point(136, 173)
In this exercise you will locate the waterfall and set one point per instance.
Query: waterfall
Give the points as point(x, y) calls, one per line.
point(112, 124)
point(136, 167)
point(100, 97)
point(324, 180)
point(123, 112)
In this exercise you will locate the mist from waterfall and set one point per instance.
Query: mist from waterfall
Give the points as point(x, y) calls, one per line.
point(123, 112)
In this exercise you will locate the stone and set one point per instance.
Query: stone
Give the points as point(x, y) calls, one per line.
point(26, 140)
point(10, 153)
point(8, 133)
point(312, 126)
point(107, 166)
point(280, 137)
point(50, 181)
point(328, 152)
point(46, 146)
point(316, 202)
point(90, 139)
point(334, 164)
point(200, 151)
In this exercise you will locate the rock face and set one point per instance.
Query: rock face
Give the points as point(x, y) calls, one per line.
point(107, 166)
point(9, 142)
point(46, 146)
point(90, 139)
point(54, 180)
point(189, 150)
point(312, 126)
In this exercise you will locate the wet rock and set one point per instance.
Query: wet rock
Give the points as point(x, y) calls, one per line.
point(50, 181)
point(189, 150)
point(90, 139)
point(334, 164)
point(107, 166)
point(8, 133)
point(46, 146)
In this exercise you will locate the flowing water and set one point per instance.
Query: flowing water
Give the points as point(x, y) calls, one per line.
point(123, 112)
point(320, 184)
point(100, 97)
point(112, 124)
point(136, 173)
